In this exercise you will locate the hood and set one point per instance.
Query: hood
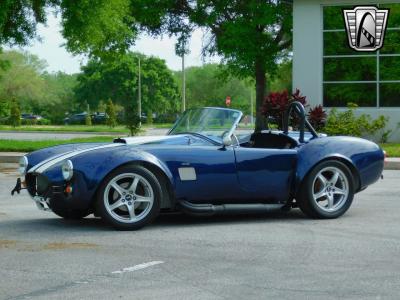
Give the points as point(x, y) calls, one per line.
point(44, 159)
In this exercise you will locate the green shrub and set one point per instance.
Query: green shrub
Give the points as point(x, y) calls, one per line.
point(15, 114)
point(43, 122)
point(132, 120)
point(111, 114)
point(347, 123)
point(149, 119)
point(88, 120)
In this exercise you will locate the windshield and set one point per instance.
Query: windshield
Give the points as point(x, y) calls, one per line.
point(210, 122)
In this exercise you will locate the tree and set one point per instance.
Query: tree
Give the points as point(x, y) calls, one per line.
point(251, 36)
point(206, 87)
point(22, 80)
point(15, 114)
point(111, 115)
point(19, 19)
point(59, 96)
point(101, 28)
point(117, 79)
point(159, 89)
point(36, 91)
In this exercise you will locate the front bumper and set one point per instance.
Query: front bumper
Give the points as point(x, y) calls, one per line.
point(43, 192)
point(42, 203)
point(52, 195)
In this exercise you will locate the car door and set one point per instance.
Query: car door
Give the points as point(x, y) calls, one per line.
point(203, 174)
point(265, 174)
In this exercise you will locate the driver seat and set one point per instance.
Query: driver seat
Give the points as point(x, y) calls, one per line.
point(271, 140)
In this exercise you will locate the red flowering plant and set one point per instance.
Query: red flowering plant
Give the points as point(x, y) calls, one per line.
point(276, 103)
point(317, 117)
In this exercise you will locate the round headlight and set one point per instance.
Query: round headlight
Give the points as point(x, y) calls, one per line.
point(67, 170)
point(23, 165)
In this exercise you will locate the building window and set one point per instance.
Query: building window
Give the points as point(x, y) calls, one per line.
point(368, 79)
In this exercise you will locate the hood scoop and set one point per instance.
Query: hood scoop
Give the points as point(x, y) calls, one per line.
point(141, 140)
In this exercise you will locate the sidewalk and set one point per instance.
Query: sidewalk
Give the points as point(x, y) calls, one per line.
point(392, 163)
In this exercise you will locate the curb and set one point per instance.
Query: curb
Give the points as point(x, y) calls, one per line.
point(392, 163)
point(10, 157)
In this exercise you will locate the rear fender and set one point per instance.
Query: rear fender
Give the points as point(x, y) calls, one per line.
point(362, 157)
point(305, 168)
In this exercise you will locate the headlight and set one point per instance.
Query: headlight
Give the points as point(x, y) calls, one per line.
point(23, 165)
point(67, 170)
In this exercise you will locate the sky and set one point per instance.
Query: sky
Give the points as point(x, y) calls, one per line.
point(50, 48)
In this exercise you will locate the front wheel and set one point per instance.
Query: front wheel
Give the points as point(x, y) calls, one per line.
point(129, 198)
point(328, 191)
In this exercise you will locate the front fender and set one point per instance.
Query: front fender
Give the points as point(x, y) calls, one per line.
point(364, 158)
point(44, 154)
point(94, 166)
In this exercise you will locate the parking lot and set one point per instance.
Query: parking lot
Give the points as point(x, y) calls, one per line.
point(274, 256)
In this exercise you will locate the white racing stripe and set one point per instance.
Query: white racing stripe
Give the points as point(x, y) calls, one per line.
point(48, 160)
point(40, 168)
point(138, 267)
point(146, 139)
point(48, 163)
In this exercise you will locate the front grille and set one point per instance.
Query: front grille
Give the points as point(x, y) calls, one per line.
point(37, 185)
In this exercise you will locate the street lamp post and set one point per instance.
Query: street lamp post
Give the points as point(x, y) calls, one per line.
point(139, 94)
point(251, 107)
point(183, 84)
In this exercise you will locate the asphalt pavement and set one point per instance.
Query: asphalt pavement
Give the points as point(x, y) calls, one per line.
point(269, 256)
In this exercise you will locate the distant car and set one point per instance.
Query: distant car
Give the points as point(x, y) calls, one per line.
point(121, 117)
point(31, 117)
point(99, 118)
point(204, 166)
point(76, 119)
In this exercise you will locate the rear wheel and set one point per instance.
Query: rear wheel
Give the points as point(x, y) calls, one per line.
point(129, 198)
point(328, 191)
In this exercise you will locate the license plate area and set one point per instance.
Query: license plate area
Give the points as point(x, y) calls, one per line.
point(41, 203)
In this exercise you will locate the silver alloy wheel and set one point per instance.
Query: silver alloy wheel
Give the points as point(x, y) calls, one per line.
point(128, 197)
point(330, 189)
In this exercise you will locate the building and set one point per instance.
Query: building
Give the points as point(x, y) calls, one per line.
point(329, 72)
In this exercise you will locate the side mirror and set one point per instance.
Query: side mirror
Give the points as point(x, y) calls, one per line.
point(227, 140)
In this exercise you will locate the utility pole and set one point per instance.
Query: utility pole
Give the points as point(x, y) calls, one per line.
point(251, 107)
point(140, 94)
point(183, 84)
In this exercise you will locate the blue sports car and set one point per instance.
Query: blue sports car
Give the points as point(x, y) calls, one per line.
point(205, 165)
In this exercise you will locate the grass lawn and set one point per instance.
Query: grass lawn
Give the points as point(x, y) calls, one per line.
point(28, 146)
point(392, 150)
point(78, 128)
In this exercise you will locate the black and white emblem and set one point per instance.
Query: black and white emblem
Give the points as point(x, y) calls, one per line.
point(366, 26)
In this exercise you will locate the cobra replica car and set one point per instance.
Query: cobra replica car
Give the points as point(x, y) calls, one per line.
point(205, 165)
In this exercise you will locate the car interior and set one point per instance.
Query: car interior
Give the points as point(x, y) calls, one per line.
point(268, 140)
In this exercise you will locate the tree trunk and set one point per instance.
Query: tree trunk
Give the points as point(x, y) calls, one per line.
point(261, 84)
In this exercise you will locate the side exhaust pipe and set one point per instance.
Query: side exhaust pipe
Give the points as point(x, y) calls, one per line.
point(211, 210)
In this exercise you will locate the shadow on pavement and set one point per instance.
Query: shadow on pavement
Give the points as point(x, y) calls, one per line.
point(163, 221)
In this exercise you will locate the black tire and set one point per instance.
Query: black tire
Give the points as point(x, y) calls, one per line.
point(312, 187)
point(70, 214)
point(120, 217)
